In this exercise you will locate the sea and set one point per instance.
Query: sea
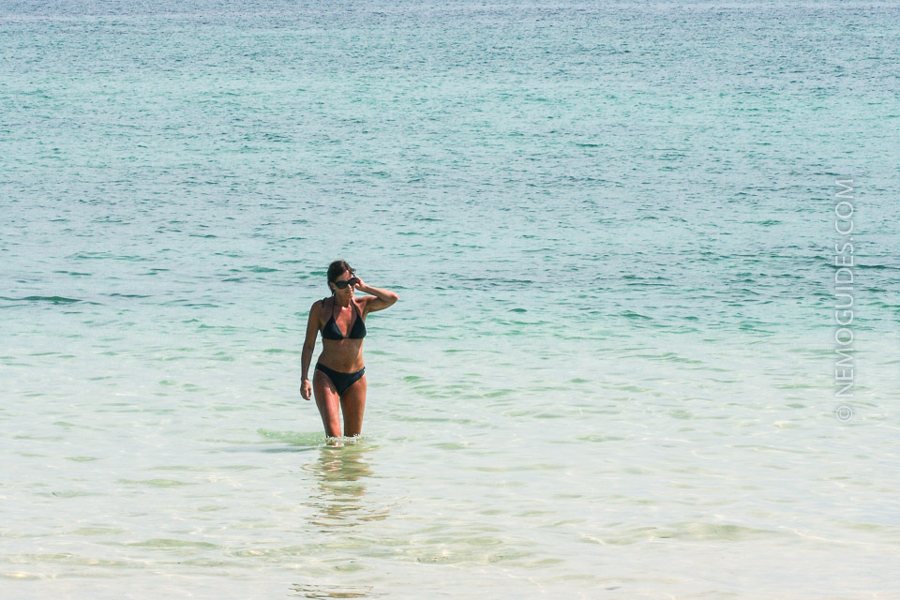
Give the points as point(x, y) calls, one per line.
point(647, 341)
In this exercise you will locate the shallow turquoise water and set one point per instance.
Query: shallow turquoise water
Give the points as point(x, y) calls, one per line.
point(611, 372)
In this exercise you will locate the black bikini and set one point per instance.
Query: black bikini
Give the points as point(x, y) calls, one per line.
point(331, 331)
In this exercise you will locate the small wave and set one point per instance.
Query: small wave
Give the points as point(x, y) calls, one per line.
point(168, 543)
point(53, 299)
point(293, 438)
point(258, 269)
point(876, 267)
point(630, 314)
point(105, 256)
point(74, 273)
point(321, 591)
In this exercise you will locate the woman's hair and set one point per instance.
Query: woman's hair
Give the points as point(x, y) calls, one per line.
point(338, 268)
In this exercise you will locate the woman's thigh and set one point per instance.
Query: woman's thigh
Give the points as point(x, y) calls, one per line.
point(329, 403)
point(353, 404)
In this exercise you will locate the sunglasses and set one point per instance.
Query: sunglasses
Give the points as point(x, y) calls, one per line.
point(343, 284)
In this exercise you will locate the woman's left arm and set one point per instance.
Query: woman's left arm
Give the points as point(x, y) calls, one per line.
point(382, 299)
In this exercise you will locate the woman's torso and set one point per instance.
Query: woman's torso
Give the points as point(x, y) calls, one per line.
point(343, 330)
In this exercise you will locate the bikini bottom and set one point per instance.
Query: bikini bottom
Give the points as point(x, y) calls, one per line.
point(341, 381)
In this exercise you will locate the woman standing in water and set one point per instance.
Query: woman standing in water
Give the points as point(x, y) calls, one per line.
point(340, 378)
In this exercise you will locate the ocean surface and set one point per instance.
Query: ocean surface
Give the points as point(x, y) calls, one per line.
point(615, 370)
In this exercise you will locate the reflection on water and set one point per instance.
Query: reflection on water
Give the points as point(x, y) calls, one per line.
point(342, 471)
point(320, 591)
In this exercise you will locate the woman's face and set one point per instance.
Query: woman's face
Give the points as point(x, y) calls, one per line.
point(347, 291)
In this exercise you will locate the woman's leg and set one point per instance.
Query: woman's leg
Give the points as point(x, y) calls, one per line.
point(329, 403)
point(353, 404)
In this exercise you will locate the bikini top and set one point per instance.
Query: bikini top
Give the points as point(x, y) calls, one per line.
point(331, 331)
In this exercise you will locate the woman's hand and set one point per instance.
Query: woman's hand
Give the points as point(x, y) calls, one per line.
point(361, 286)
point(306, 389)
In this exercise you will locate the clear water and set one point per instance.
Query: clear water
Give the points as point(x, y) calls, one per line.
point(611, 371)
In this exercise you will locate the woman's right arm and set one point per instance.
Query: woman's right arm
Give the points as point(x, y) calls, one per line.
point(309, 346)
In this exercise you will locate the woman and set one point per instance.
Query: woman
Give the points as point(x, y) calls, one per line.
point(340, 376)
